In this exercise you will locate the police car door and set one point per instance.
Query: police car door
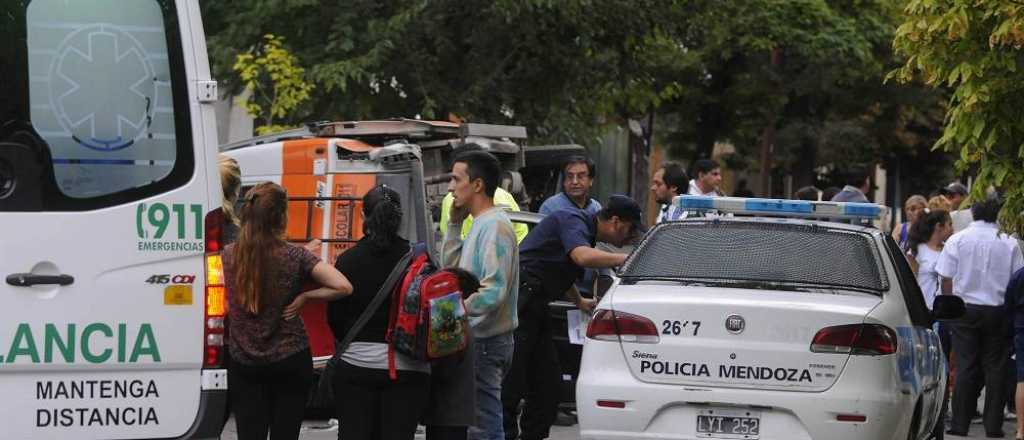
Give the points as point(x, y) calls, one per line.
point(103, 193)
point(921, 362)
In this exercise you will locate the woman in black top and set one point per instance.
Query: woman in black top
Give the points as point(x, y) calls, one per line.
point(370, 404)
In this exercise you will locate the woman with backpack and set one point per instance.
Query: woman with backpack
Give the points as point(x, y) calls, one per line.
point(370, 404)
point(271, 363)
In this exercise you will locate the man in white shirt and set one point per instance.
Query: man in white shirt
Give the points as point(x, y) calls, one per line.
point(707, 177)
point(667, 183)
point(976, 264)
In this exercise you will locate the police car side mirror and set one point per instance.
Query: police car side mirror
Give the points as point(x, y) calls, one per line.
point(948, 308)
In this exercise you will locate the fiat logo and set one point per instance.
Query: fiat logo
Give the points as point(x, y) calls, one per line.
point(735, 324)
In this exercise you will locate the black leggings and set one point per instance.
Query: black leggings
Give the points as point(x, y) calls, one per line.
point(535, 376)
point(371, 406)
point(270, 397)
point(437, 432)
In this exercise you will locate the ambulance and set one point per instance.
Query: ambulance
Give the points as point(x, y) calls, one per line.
point(436, 139)
point(328, 167)
point(112, 302)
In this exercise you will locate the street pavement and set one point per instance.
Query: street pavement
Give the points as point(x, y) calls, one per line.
point(321, 430)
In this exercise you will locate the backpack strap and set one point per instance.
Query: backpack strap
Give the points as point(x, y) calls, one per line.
point(382, 294)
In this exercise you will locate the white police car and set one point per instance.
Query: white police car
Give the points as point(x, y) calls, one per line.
point(764, 325)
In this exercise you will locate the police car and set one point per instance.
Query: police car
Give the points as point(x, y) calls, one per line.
point(768, 319)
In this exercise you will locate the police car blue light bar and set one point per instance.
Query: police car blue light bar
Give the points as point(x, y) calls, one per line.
point(781, 207)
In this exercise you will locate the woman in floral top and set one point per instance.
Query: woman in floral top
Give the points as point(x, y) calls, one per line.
point(271, 363)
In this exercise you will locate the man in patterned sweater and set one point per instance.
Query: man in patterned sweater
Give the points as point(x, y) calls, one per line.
point(491, 252)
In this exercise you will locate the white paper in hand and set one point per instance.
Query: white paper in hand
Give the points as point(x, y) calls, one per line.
point(577, 324)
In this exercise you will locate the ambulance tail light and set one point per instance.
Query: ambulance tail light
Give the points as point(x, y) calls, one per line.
point(215, 297)
point(856, 339)
point(609, 325)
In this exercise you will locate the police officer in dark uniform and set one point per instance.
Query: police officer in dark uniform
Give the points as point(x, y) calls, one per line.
point(551, 259)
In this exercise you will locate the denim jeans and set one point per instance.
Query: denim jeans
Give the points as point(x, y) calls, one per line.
point(493, 358)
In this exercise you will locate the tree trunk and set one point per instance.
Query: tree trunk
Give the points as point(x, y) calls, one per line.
point(768, 138)
point(640, 159)
point(767, 147)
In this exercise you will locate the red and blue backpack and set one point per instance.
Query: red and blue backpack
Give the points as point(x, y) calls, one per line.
point(429, 320)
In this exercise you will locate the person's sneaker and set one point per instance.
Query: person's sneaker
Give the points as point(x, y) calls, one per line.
point(1007, 415)
point(976, 420)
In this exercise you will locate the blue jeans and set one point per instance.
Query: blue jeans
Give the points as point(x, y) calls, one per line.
point(493, 358)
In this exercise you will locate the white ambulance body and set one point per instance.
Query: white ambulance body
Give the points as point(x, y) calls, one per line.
point(109, 204)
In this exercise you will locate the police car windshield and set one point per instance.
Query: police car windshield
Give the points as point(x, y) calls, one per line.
point(759, 255)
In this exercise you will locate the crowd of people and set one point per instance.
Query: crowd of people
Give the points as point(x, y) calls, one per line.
point(506, 383)
point(956, 249)
point(502, 386)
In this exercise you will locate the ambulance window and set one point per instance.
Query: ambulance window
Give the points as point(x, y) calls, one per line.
point(99, 103)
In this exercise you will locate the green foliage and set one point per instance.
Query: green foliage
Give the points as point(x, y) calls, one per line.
point(561, 68)
point(712, 70)
point(813, 70)
point(974, 48)
point(275, 80)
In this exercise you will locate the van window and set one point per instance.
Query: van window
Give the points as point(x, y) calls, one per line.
point(96, 92)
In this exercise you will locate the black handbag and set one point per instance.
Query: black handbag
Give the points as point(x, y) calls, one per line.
point(321, 399)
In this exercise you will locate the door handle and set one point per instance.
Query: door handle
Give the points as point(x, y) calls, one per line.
point(28, 279)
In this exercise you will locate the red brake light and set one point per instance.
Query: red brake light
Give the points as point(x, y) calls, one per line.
point(618, 404)
point(609, 325)
point(215, 295)
point(856, 418)
point(858, 339)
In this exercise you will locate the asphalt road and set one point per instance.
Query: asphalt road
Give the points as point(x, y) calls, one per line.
point(320, 430)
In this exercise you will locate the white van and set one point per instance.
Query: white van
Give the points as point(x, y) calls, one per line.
point(111, 316)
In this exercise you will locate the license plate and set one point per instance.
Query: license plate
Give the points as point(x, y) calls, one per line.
point(731, 424)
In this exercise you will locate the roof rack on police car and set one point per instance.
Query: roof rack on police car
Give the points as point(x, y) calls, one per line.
point(416, 129)
point(781, 207)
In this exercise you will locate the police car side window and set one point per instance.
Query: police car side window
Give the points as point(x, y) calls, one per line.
point(106, 106)
point(912, 295)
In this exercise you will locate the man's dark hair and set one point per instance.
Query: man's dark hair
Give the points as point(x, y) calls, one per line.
point(987, 210)
point(857, 176)
point(807, 193)
point(704, 166)
point(468, 283)
point(462, 149)
point(675, 176)
point(573, 160)
point(484, 166)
